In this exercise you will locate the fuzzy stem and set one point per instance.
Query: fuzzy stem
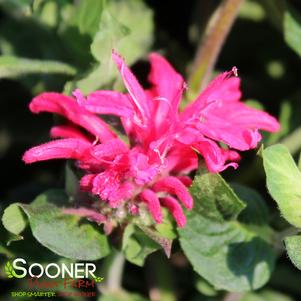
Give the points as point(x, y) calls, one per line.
point(112, 269)
point(210, 46)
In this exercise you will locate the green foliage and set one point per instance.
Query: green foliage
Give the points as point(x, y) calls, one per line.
point(266, 295)
point(221, 206)
point(164, 241)
point(284, 185)
point(61, 233)
point(226, 252)
point(205, 288)
point(12, 67)
point(136, 245)
point(283, 182)
point(13, 219)
point(88, 14)
point(123, 26)
point(293, 247)
point(292, 28)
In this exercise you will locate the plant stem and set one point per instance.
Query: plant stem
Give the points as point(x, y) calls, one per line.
point(280, 236)
point(115, 273)
point(293, 141)
point(112, 270)
point(210, 46)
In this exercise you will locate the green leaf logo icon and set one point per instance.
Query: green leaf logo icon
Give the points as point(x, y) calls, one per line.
point(98, 279)
point(10, 272)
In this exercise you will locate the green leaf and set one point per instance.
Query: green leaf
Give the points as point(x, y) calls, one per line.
point(12, 67)
point(228, 253)
point(205, 288)
point(125, 26)
point(266, 295)
point(22, 7)
point(163, 241)
point(257, 212)
point(13, 219)
point(222, 206)
point(284, 182)
point(137, 17)
point(292, 28)
point(293, 247)
point(136, 245)
point(107, 38)
point(256, 216)
point(88, 14)
point(62, 233)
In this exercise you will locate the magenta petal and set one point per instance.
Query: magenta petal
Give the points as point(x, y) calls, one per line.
point(107, 102)
point(182, 159)
point(153, 204)
point(142, 171)
point(64, 131)
point(109, 149)
point(240, 138)
point(134, 88)
point(167, 82)
point(213, 155)
point(167, 91)
point(176, 210)
point(58, 149)
point(86, 182)
point(68, 107)
point(187, 181)
point(231, 155)
point(108, 186)
point(225, 87)
point(244, 116)
point(175, 186)
point(218, 114)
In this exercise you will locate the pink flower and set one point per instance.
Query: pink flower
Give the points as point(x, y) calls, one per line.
point(152, 168)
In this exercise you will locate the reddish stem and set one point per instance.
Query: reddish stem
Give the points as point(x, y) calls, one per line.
point(210, 46)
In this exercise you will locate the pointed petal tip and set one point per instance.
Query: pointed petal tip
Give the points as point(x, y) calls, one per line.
point(235, 71)
point(77, 93)
point(117, 58)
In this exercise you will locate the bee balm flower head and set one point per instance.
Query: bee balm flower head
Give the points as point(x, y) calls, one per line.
point(164, 143)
